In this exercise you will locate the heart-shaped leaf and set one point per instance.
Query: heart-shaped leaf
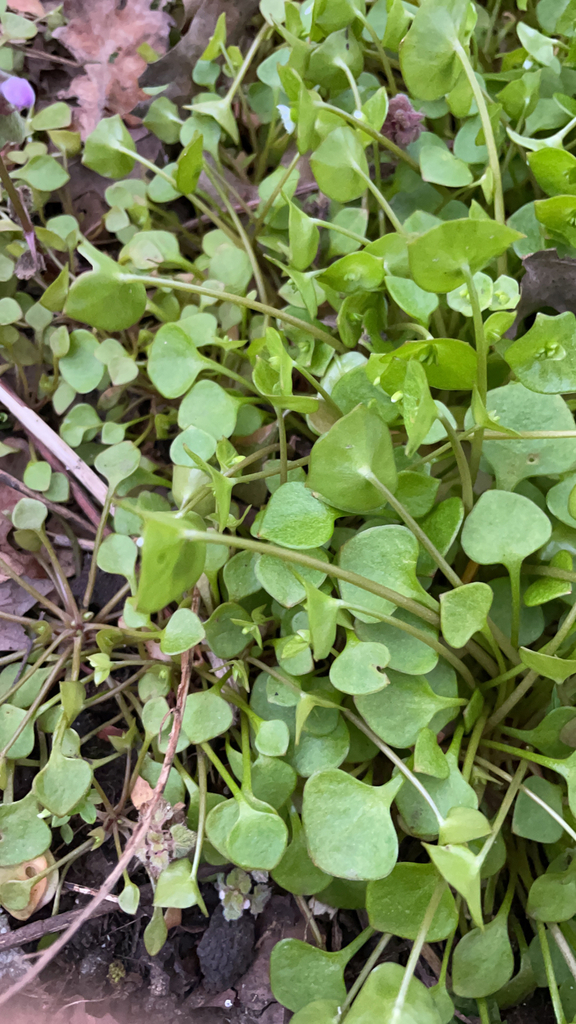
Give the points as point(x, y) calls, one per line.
point(441, 257)
point(504, 528)
point(483, 961)
point(398, 712)
point(463, 612)
point(387, 555)
point(398, 903)
point(349, 831)
point(376, 1001)
point(356, 445)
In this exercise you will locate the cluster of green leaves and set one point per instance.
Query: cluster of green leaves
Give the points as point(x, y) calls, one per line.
point(387, 621)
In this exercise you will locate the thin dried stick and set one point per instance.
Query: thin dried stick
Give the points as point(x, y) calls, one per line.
point(43, 433)
point(37, 929)
point(137, 838)
point(66, 513)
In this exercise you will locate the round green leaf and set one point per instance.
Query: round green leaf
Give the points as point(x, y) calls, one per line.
point(357, 444)
point(209, 407)
point(118, 554)
point(225, 638)
point(544, 360)
point(279, 580)
point(427, 56)
point(23, 834)
point(103, 300)
point(184, 631)
point(530, 819)
point(504, 528)
point(295, 519)
point(348, 827)
point(483, 960)
point(174, 361)
point(398, 903)
point(375, 1003)
point(439, 257)
point(517, 408)
point(206, 715)
point(339, 166)
point(463, 612)
point(358, 669)
point(175, 886)
point(118, 462)
point(387, 555)
point(251, 833)
point(407, 653)
point(102, 149)
point(398, 712)
point(80, 367)
point(29, 514)
point(356, 272)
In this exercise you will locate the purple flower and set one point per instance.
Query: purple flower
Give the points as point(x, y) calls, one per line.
point(18, 92)
point(403, 124)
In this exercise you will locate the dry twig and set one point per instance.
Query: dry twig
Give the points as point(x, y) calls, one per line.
point(136, 839)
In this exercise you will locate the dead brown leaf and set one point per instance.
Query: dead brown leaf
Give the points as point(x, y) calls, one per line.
point(174, 68)
point(141, 793)
point(104, 37)
point(16, 601)
point(33, 7)
point(548, 282)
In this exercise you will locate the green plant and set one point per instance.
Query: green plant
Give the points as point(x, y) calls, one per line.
point(366, 526)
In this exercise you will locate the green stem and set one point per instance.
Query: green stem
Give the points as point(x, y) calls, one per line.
point(569, 958)
point(362, 126)
point(381, 53)
point(473, 744)
point(283, 447)
point(224, 774)
point(414, 527)
point(238, 300)
point(370, 963)
point(499, 212)
point(503, 810)
point(240, 74)
point(382, 202)
point(299, 558)
point(550, 976)
point(97, 542)
point(241, 233)
point(483, 1011)
point(202, 790)
point(331, 226)
point(71, 606)
point(418, 634)
point(482, 369)
point(462, 465)
point(550, 571)
point(273, 195)
point(335, 409)
point(396, 1015)
point(514, 572)
point(531, 678)
point(339, 63)
point(481, 344)
point(246, 758)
